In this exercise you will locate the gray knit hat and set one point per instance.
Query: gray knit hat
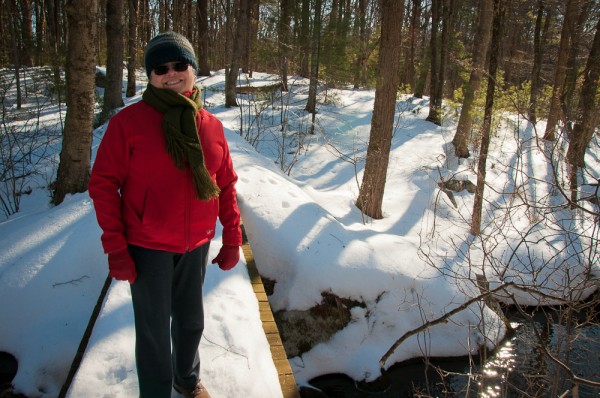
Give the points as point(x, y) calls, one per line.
point(168, 47)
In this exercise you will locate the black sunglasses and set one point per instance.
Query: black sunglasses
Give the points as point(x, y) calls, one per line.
point(177, 67)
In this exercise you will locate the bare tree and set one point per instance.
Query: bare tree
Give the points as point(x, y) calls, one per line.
point(74, 168)
point(568, 100)
point(40, 23)
point(480, 47)
point(360, 68)
point(113, 92)
point(234, 66)
point(425, 62)
point(370, 197)
point(438, 74)
point(132, 45)
point(283, 29)
point(539, 42)
point(311, 104)
point(487, 120)
point(27, 32)
point(203, 44)
point(434, 62)
point(16, 52)
point(305, 39)
point(587, 116)
point(251, 20)
point(412, 41)
point(554, 114)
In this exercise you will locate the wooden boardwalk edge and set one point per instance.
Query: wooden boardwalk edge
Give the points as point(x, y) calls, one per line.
point(289, 388)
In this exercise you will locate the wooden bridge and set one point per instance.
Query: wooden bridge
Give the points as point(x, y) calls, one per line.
point(287, 381)
point(289, 387)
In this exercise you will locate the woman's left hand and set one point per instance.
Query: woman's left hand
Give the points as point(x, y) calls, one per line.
point(228, 257)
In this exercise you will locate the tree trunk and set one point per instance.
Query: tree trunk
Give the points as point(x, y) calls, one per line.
point(113, 93)
point(360, 68)
point(539, 43)
point(480, 47)
point(587, 116)
point(16, 51)
point(554, 114)
point(411, 46)
point(447, 20)
point(283, 29)
point(145, 32)
point(52, 29)
point(425, 62)
point(370, 197)
point(176, 14)
point(434, 104)
point(252, 15)
point(447, 8)
point(27, 32)
point(164, 18)
point(567, 99)
point(241, 32)
point(54, 39)
point(487, 119)
point(74, 167)
point(40, 22)
point(311, 103)
point(305, 39)
point(132, 48)
point(203, 43)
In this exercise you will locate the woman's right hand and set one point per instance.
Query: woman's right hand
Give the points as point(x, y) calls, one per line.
point(121, 266)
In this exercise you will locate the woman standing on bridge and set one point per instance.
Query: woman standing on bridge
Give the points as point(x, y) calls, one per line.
point(162, 176)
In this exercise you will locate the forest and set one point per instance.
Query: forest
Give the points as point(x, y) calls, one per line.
point(541, 58)
point(474, 61)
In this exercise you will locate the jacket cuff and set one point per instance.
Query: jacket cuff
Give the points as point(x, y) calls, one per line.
point(232, 237)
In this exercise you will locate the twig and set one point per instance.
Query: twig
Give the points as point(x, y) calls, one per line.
point(343, 245)
point(71, 282)
point(575, 380)
point(439, 320)
point(228, 350)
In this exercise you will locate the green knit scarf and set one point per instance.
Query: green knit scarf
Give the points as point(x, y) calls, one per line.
point(183, 143)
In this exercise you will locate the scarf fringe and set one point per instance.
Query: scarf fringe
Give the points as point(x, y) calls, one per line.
point(206, 189)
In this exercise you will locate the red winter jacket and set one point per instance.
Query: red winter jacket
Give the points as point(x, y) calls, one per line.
point(142, 198)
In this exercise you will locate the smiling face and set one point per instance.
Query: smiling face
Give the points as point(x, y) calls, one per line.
point(180, 82)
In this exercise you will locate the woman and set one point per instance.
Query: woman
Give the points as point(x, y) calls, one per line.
point(162, 176)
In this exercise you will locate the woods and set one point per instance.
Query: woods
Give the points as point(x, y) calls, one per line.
point(474, 67)
point(442, 52)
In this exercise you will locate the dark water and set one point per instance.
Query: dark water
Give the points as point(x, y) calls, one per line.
point(517, 368)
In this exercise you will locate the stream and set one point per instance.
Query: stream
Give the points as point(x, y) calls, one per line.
point(517, 368)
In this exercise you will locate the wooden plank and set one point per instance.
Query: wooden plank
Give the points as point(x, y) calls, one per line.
point(262, 297)
point(278, 352)
point(270, 328)
point(274, 339)
point(289, 388)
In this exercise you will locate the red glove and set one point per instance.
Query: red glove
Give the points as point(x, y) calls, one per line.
point(228, 257)
point(121, 266)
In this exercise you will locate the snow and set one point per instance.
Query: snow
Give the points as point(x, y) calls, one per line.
point(414, 265)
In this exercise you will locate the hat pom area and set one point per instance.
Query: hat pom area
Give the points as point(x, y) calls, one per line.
point(168, 47)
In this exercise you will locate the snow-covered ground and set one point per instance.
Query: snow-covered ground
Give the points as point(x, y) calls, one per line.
point(306, 234)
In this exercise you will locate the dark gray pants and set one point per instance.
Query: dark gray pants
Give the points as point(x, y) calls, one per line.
point(167, 305)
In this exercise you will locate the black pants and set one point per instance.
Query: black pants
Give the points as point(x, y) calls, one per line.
point(167, 305)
